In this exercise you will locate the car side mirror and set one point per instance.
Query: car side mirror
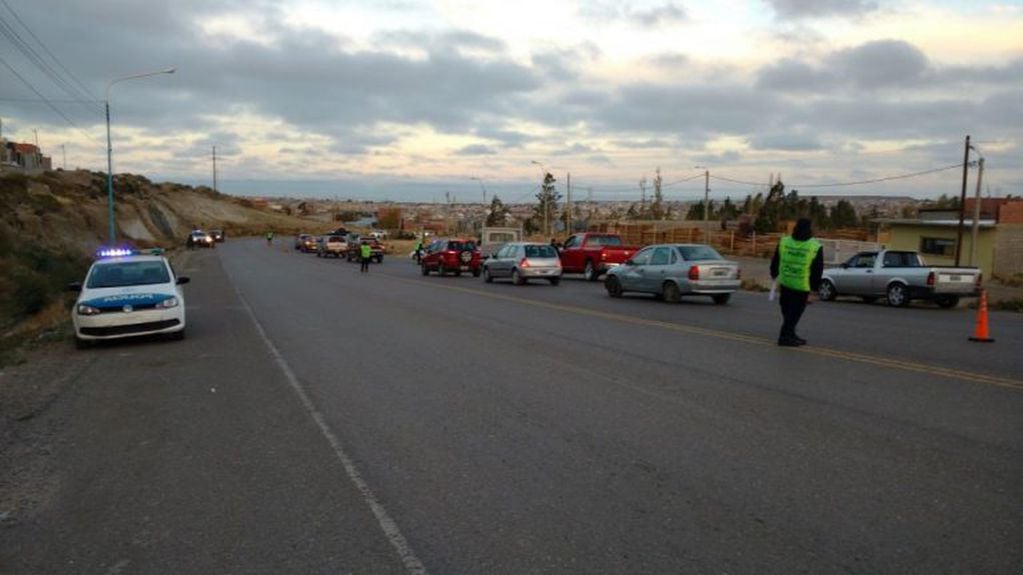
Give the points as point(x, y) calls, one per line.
point(74, 286)
point(183, 280)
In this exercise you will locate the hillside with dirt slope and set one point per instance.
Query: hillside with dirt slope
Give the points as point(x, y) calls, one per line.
point(50, 224)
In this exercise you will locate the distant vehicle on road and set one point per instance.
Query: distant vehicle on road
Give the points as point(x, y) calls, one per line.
point(335, 246)
point(492, 238)
point(375, 247)
point(128, 294)
point(451, 255)
point(200, 239)
point(675, 270)
point(899, 277)
point(523, 261)
point(218, 235)
point(305, 243)
point(593, 254)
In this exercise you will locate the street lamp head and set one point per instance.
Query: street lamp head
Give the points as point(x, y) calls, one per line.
point(170, 70)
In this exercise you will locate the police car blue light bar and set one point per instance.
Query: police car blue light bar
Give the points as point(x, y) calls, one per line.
point(114, 252)
point(122, 252)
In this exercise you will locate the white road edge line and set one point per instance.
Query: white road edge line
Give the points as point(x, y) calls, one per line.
point(390, 528)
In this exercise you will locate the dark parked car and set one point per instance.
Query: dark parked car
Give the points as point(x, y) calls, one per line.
point(452, 255)
point(218, 235)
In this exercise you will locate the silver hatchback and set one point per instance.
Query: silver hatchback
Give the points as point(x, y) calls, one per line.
point(674, 270)
point(523, 261)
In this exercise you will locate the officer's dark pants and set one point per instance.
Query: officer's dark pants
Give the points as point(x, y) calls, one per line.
point(793, 304)
point(365, 265)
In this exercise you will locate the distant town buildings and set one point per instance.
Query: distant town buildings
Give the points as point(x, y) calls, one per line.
point(22, 157)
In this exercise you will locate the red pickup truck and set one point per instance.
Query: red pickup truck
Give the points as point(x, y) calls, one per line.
point(592, 254)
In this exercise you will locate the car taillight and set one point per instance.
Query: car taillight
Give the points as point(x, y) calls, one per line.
point(694, 273)
point(930, 279)
point(603, 255)
point(523, 263)
point(451, 253)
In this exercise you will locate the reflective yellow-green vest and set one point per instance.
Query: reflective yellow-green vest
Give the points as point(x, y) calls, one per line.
point(365, 251)
point(794, 260)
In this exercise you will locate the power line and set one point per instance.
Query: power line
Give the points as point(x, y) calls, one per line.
point(84, 89)
point(8, 31)
point(52, 107)
point(845, 184)
point(56, 101)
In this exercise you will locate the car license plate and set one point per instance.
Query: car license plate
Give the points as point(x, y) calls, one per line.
point(955, 278)
point(720, 272)
point(465, 268)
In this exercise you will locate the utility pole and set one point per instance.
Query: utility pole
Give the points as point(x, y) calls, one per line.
point(214, 169)
point(36, 132)
point(63, 151)
point(706, 205)
point(568, 203)
point(962, 200)
point(976, 213)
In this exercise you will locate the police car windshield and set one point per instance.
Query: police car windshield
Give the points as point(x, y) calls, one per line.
point(120, 274)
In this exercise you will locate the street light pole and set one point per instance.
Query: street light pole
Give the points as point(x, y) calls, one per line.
point(482, 187)
point(110, 148)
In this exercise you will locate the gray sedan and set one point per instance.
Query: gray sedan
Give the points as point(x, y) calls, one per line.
point(523, 261)
point(671, 271)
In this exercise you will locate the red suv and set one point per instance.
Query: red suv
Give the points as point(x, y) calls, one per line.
point(453, 255)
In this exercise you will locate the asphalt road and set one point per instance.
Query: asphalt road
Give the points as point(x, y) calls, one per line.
point(319, 420)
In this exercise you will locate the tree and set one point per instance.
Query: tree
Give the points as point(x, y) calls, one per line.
point(547, 198)
point(657, 206)
point(843, 215)
point(498, 215)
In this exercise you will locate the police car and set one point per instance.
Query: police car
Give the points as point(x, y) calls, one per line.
point(128, 293)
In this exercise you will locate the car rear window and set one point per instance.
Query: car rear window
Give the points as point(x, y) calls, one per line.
point(540, 252)
point(693, 253)
point(604, 241)
point(462, 246)
point(128, 274)
point(335, 239)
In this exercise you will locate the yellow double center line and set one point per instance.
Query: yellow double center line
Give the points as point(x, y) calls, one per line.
point(731, 336)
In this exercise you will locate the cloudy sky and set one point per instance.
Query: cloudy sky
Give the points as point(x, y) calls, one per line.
point(408, 100)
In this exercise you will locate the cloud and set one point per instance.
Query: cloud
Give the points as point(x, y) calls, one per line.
point(476, 150)
point(790, 141)
point(668, 13)
point(821, 8)
point(614, 11)
point(880, 64)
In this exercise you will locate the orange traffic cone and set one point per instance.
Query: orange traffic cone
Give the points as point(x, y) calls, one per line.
point(980, 333)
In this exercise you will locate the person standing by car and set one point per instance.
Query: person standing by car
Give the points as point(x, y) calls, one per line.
point(419, 251)
point(365, 252)
point(797, 266)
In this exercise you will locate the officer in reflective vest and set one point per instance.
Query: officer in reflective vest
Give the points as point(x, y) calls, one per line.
point(797, 266)
point(365, 251)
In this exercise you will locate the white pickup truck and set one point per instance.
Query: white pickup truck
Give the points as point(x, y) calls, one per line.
point(899, 276)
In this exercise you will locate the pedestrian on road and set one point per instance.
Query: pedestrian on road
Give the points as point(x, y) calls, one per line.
point(269, 238)
point(419, 251)
point(797, 266)
point(365, 251)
